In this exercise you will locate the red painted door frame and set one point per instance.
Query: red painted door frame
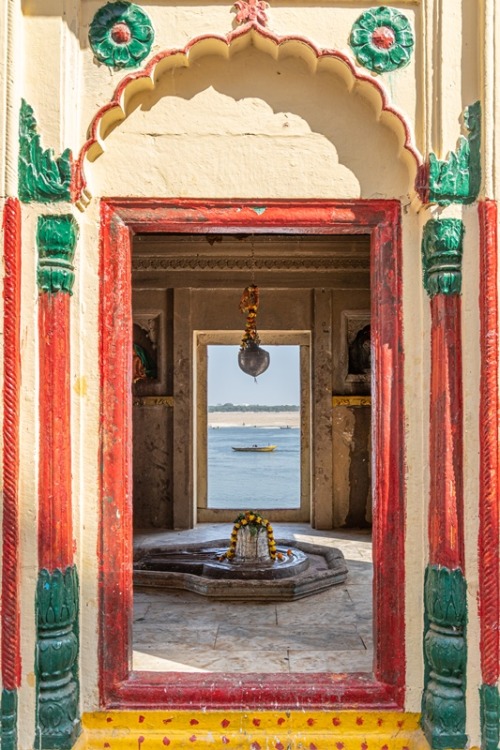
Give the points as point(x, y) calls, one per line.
point(119, 686)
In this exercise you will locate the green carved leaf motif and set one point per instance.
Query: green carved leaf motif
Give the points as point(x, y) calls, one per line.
point(442, 249)
point(57, 604)
point(42, 177)
point(56, 240)
point(9, 720)
point(57, 597)
point(490, 717)
point(457, 179)
point(445, 651)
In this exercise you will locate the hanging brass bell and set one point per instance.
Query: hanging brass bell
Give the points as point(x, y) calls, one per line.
point(253, 360)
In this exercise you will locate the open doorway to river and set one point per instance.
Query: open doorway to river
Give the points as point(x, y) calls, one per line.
point(189, 489)
point(253, 436)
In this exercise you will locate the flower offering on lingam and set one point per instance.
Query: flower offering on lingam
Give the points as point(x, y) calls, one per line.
point(252, 538)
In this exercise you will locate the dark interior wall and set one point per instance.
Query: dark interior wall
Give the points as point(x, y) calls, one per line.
point(279, 309)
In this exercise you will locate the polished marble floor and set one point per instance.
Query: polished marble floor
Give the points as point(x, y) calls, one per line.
point(327, 632)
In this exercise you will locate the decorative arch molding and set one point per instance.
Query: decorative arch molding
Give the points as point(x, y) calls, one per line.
point(251, 34)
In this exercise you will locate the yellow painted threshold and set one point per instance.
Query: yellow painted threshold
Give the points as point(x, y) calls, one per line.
point(251, 730)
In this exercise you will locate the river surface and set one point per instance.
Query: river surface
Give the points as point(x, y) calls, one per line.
point(253, 480)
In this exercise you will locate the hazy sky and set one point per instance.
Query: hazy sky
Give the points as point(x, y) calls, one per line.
point(279, 384)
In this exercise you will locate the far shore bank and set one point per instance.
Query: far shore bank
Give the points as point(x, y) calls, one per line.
point(254, 419)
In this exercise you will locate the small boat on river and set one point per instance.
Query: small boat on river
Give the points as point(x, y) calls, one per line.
point(255, 449)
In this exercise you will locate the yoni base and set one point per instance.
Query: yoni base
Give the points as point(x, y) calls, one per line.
point(309, 569)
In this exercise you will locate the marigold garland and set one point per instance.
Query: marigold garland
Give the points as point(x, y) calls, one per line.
point(249, 304)
point(252, 520)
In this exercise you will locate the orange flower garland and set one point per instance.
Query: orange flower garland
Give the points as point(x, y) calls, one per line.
point(254, 522)
point(249, 304)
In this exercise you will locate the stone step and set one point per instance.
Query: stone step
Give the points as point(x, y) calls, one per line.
point(252, 730)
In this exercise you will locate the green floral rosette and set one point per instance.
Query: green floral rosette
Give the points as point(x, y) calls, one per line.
point(382, 39)
point(121, 35)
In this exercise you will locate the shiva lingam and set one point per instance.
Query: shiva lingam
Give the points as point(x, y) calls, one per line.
point(254, 566)
point(252, 540)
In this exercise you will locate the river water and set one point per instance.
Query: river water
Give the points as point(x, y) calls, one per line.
point(253, 480)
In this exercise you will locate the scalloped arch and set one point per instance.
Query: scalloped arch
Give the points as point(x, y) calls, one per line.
point(116, 110)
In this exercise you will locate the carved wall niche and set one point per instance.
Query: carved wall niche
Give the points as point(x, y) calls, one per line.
point(152, 412)
point(354, 355)
point(145, 335)
point(148, 365)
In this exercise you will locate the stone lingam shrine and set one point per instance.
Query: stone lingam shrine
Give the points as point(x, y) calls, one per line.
point(254, 567)
point(338, 162)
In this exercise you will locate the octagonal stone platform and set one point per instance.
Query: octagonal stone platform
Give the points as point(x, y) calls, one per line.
point(307, 569)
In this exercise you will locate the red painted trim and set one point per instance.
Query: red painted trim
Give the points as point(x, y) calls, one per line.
point(10, 618)
point(118, 99)
point(116, 594)
point(388, 448)
point(55, 528)
point(118, 687)
point(489, 552)
point(446, 529)
point(254, 691)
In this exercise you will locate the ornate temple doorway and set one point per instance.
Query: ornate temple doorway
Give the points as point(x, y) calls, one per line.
point(306, 288)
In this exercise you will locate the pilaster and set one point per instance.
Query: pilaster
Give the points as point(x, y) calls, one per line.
point(443, 703)
point(489, 514)
point(58, 721)
point(10, 622)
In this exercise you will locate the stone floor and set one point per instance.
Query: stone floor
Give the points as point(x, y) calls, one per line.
point(326, 632)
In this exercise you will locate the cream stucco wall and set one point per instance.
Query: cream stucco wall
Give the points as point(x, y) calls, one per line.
point(248, 122)
point(251, 126)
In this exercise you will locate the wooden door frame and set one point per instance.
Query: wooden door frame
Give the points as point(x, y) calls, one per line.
point(123, 688)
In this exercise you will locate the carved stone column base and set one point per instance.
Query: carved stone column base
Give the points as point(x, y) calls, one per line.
point(443, 702)
point(58, 720)
point(9, 720)
point(490, 717)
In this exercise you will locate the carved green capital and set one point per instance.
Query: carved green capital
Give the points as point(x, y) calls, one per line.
point(56, 240)
point(445, 596)
point(57, 597)
point(42, 176)
point(457, 179)
point(490, 717)
point(445, 652)
point(9, 720)
point(442, 249)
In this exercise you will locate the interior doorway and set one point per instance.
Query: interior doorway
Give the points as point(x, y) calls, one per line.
point(253, 431)
point(319, 315)
point(368, 224)
point(249, 479)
